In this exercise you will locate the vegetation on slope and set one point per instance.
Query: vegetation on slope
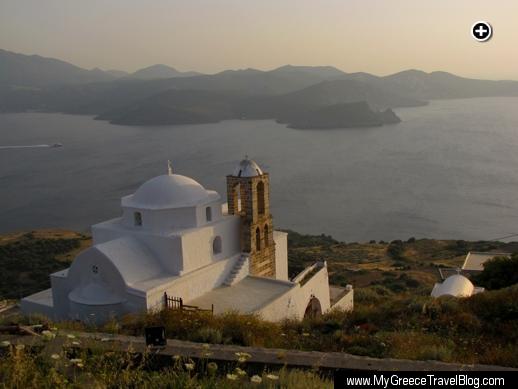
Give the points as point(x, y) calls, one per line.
point(27, 260)
point(498, 273)
point(399, 266)
point(394, 316)
point(69, 367)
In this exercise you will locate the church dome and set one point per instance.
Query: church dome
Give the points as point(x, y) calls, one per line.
point(168, 191)
point(247, 168)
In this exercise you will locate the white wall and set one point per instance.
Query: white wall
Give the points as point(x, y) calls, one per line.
point(194, 284)
point(201, 215)
point(39, 304)
point(60, 290)
point(294, 302)
point(160, 219)
point(346, 303)
point(197, 244)
point(183, 250)
point(166, 248)
point(281, 255)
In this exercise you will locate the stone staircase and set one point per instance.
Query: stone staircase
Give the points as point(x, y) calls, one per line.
point(240, 271)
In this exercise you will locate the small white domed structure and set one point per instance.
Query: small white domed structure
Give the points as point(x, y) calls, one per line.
point(247, 168)
point(456, 285)
point(168, 191)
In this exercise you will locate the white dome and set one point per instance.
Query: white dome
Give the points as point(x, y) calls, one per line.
point(247, 168)
point(456, 285)
point(168, 191)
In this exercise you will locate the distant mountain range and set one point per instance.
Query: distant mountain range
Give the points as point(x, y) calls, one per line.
point(300, 96)
point(35, 71)
point(160, 71)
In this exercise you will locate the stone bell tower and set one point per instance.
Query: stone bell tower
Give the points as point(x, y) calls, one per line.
point(248, 195)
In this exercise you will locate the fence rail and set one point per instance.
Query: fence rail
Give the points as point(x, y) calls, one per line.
point(177, 304)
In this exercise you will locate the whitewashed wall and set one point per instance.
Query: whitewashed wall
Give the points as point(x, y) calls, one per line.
point(281, 255)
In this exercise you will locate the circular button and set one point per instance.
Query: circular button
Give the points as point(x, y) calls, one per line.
point(481, 31)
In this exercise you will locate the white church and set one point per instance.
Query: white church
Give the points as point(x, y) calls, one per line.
point(180, 244)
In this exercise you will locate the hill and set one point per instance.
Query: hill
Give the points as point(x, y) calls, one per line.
point(36, 71)
point(342, 115)
point(296, 95)
point(117, 73)
point(348, 91)
point(98, 98)
point(160, 71)
point(200, 106)
point(441, 85)
point(327, 104)
point(177, 107)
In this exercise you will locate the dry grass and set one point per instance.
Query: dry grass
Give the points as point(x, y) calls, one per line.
point(69, 367)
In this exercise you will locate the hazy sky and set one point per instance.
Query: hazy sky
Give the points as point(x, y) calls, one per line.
point(377, 36)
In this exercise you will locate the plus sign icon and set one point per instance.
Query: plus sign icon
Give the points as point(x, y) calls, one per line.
point(481, 31)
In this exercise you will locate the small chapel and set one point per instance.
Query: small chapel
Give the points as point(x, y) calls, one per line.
point(178, 245)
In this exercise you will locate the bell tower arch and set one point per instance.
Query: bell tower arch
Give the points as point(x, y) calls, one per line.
point(248, 195)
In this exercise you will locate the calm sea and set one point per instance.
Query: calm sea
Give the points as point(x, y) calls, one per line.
point(449, 170)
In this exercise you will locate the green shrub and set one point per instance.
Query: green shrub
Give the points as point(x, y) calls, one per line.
point(434, 352)
point(499, 272)
point(496, 305)
point(395, 250)
point(208, 335)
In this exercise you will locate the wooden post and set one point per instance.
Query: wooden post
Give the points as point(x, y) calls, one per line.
point(165, 300)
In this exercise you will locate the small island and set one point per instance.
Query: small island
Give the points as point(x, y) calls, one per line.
point(346, 115)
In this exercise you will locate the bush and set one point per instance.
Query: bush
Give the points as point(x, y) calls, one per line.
point(416, 345)
point(499, 272)
point(435, 352)
point(300, 240)
point(395, 250)
point(208, 335)
point(370, 295)
point(499, 305)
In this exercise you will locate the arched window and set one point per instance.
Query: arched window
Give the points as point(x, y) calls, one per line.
point(266, 236)
point(137, 218)
point(239, 200)
point(236, 198)
point(260, 198)
point(208, 214)
point(216, 245)
point(258, 239)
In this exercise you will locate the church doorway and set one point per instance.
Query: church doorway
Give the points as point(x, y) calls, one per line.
point(314, 309)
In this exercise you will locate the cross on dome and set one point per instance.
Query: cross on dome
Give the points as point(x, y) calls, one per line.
point(169, 168)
